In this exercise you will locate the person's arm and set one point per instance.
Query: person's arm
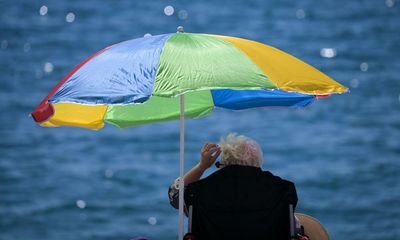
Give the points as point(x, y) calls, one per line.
point(209, 154)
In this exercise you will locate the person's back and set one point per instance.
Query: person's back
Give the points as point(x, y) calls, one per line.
point(241, 202)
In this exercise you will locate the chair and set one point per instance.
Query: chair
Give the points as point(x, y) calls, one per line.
point(232, 209)
point(307, 226)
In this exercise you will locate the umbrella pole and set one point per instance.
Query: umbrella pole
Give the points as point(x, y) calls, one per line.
point(181, 165)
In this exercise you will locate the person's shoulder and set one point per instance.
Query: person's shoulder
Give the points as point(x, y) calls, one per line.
point(213, 177)
point(276, 179)
point(283, 185)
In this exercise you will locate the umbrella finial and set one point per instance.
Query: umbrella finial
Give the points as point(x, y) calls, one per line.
point(180, 29)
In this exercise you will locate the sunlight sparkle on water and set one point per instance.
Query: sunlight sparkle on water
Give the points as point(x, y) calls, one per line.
point(48, 67)
point(364, 66)
point(183, 14)
point(43, 10)
point(328, 52)
point(300, 14)
point(169, 10)
point(109, 173)
point(354, 83)
point(4, 44)
point(390, 3)
point(27, 47)
point(81, 204)
point(70, 17)
point(152, 220)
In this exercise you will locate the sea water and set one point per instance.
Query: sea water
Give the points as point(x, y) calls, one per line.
point(342, 152)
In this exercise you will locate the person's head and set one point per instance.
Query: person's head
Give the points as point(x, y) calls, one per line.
point(240, 150)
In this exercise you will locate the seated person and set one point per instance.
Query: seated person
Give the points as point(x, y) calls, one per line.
point(239, 201)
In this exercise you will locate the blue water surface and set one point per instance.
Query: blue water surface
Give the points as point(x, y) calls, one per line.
point(343, 152)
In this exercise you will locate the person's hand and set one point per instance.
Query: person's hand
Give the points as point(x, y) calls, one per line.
point(209, 153)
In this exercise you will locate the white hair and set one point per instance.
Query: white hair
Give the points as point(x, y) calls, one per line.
point(240, 150)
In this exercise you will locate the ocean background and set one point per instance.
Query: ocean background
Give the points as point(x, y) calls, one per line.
point(343, 152)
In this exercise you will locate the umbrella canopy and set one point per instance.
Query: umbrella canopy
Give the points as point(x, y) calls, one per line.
point(211, 70)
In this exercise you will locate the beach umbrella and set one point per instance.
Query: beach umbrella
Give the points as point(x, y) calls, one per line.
point(138, 81)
